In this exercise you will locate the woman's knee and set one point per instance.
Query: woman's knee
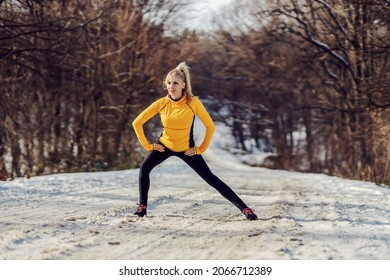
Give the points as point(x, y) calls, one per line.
point(146, 168)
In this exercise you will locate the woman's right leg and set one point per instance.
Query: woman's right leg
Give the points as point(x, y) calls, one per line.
point(153, 159)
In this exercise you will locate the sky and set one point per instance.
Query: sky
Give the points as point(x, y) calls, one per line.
point(201, 13)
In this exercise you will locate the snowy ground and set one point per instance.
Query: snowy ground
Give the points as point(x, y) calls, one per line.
point(301, 216)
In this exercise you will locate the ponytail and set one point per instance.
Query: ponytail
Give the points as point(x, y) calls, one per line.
point(182, 71)
point(183, 67)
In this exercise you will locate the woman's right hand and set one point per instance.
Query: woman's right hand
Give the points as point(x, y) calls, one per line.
point(158, 147)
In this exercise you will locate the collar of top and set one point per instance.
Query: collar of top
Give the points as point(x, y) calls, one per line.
point(177, 103)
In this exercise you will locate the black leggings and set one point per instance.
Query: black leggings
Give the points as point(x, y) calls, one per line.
point(196, 162)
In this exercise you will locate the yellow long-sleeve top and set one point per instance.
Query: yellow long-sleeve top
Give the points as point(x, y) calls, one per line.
point(177, 118)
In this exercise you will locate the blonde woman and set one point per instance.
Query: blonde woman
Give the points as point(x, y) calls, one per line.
point(177, 111)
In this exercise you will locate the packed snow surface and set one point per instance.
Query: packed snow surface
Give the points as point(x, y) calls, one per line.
point(301, 216)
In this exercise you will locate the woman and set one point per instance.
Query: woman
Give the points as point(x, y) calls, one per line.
point(177, 111)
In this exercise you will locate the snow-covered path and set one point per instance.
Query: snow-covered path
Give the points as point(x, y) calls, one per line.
point(301, 216)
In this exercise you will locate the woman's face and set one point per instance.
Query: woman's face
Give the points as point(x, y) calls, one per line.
point(175, 88)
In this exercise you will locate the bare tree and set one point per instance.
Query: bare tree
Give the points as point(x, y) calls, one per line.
point(73, 75)
point(319, 68)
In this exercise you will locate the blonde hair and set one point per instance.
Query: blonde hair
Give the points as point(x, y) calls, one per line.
point(181, 74)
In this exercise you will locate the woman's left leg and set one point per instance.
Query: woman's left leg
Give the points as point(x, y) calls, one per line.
point(198, 164)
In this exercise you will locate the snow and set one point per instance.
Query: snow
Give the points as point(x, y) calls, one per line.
point(82, 216)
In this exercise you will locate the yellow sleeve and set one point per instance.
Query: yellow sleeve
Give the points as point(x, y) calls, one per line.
point(204, 116)
point(142, 118)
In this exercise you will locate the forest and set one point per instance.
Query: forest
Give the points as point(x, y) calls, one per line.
point(307, 80)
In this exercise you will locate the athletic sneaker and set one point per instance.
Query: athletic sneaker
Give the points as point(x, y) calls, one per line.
point(249, 214)
point(141, 210)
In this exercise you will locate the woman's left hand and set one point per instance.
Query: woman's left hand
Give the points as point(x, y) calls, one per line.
point(190, 152)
